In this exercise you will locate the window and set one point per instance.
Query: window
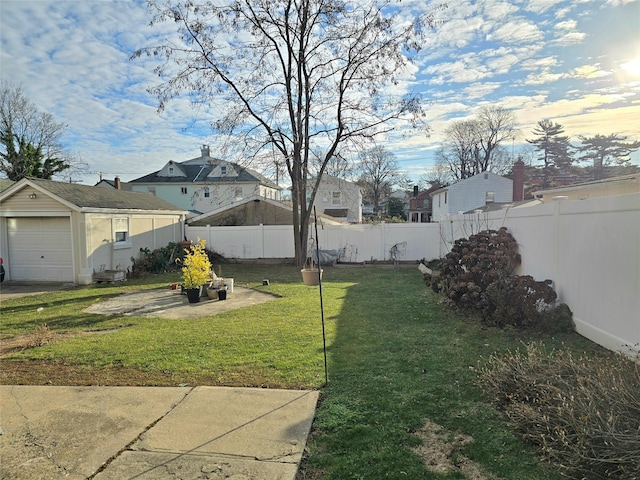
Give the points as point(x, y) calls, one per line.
point(489, 197)
point(486, 176)
point(170, 170)
point(206, 192)
point(223, 170)
point(183, 190)
point(121, 233)
point(335, 198)
point(238, 193)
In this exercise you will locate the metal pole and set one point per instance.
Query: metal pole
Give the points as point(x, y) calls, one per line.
point(324, 337)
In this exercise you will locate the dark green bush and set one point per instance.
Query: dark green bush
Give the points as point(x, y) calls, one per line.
point(165, 259)
point(582, 413)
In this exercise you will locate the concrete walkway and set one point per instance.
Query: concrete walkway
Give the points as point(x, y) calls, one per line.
point(153, 432)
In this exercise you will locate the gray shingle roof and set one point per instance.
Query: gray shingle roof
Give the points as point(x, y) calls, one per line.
point(197, 174)
point(95, 197)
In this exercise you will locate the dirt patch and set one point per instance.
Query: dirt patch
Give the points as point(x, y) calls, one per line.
point(41, 336)
point(440, 452)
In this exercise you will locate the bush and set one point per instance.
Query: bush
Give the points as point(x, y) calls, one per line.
point(478, 275)
point(161, 260)
point(165, 259)
point(583, 413)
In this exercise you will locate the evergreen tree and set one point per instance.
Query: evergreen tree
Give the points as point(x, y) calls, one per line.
point(554, 148)
point(604, 150)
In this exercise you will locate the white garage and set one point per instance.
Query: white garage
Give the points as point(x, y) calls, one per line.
point(40, 249)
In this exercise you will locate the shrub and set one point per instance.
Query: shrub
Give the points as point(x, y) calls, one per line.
point(196, 267)
point(161, 260)
point(474, 263)
point(478, 275)
point(583, 413)
point(165, 259)
point(518, 300)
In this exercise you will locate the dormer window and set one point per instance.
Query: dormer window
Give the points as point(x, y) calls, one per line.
point(170, 170)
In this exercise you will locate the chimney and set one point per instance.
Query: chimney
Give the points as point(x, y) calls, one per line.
point(415, 190)
point(518, 181)
point(117, 183)
point(204, 151)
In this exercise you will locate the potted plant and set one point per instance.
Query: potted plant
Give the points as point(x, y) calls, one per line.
point(311, 273)
point(195, 270)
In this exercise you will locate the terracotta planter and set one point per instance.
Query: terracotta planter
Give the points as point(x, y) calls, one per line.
point(193, 294)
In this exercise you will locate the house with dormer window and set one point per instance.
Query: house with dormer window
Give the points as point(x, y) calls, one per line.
point(205, 183)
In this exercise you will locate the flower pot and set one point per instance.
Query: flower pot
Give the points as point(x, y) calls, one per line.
point(310, 276)
point(193, 294)
point(222, 294)
point(212, 293)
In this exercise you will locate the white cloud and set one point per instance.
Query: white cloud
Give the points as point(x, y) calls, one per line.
point(539, 63)
point(541, 78)
point(520, 31)
point(589, 71)
point(571, 38)
point(541, 6)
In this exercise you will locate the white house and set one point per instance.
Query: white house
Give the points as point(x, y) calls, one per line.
point(63, 232)
point(338, 198)
point(205, 183)
point(471, 193)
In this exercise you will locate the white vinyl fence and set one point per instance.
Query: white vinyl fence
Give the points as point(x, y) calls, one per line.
point(589, 248)
point(356, 243)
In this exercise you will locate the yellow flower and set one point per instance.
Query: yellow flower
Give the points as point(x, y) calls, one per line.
point(196, 265)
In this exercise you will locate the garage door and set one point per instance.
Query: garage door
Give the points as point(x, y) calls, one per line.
point(40, 249)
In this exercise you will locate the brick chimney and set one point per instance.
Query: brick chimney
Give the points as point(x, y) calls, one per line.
point(415, 190)
point(117, 183)
point(518, 181)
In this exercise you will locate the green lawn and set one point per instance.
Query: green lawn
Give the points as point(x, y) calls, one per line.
point(396, 358)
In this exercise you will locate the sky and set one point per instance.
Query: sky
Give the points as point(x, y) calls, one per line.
point(575, 62)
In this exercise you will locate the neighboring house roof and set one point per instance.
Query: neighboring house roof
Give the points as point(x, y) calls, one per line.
point(492, 207)
point(85, 196)
point(112, 184)
point(225, 214)
point(198, 173)
point(336, 212)
point(624, 179)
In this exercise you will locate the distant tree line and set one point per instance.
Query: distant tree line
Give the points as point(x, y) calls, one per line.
point(480, 144)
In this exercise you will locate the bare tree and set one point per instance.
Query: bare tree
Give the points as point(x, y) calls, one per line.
point(378, 172)
point(476, 145)
point(30, 140)
point(460, 151)
point(305, 77)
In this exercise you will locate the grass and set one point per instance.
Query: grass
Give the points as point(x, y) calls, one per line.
point(397, 357)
